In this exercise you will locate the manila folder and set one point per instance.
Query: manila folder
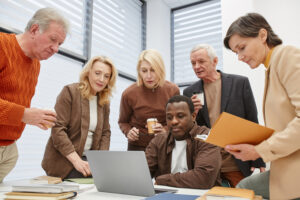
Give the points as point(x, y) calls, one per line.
point(230, 129)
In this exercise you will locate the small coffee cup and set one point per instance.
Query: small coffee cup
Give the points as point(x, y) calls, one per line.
point(150, 123)
point(46, 125)
point(200, 96)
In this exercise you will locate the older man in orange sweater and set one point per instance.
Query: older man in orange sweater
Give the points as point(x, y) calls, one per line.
point(19, 70)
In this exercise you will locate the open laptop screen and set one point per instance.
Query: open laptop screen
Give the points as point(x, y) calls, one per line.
point(124, 172)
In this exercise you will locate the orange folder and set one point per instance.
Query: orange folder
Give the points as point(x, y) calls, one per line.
point(218, 192)
point(230, 129)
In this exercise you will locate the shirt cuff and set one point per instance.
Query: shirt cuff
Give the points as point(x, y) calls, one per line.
point(263, 149)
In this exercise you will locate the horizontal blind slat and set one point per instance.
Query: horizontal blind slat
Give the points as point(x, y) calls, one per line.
point(197, 24)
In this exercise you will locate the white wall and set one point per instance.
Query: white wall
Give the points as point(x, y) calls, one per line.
point(280, 15)
point(283, 17)
point(158, 34)
point(231, 10)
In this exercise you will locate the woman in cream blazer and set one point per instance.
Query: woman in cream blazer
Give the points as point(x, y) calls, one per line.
point(82, 121)
point(255, 43)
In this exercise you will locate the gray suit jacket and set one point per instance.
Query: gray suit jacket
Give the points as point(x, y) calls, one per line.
point(237, 99)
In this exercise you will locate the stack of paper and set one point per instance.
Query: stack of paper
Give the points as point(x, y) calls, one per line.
point(39, 196)
point(46, 188)
point(43, 191)
point(230, 129)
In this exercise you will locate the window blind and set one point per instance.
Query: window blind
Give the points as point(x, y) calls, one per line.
point(55, 73)
point(117, 33)
point(192, 25)
point(118, 141)
point(15, 14)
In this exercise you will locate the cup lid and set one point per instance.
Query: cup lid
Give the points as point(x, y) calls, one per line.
point(151, 119)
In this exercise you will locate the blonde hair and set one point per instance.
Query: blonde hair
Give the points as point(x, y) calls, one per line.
point(44, 16)
point(84, 84)
point(155, 60)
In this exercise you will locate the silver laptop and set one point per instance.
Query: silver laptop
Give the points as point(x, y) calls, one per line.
point(124, 172)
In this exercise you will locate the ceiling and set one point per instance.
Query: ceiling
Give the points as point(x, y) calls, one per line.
point(178, 3)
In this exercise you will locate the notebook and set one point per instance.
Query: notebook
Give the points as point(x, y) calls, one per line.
point(45, 188)
point(39, 196)
point(124, 172)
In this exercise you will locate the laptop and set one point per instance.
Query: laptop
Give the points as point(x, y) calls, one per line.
point(124, 172)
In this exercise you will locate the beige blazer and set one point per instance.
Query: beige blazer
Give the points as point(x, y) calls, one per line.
point(281, 109)
point(70, 131)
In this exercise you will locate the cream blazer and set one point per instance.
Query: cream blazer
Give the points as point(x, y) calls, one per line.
point(281, 109)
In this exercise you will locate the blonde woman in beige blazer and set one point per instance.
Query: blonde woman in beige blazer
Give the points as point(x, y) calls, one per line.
point(255, 43)
point(76, 128)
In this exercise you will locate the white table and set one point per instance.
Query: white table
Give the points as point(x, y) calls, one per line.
point(94, 194)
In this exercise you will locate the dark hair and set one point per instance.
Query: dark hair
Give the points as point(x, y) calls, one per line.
point(249, 26)
point(180, 98)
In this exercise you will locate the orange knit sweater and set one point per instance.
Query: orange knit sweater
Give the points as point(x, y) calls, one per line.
point(18, 78)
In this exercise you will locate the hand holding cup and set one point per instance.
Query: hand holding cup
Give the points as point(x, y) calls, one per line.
point(200, 96)
point(198, 101)
point(39, 117)
point(50, 118)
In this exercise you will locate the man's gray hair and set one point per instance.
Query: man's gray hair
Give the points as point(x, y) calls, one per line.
point(44, 16)
point(209, 49)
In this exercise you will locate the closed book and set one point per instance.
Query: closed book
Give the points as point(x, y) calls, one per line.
point(40, 196)
point(45, 188)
